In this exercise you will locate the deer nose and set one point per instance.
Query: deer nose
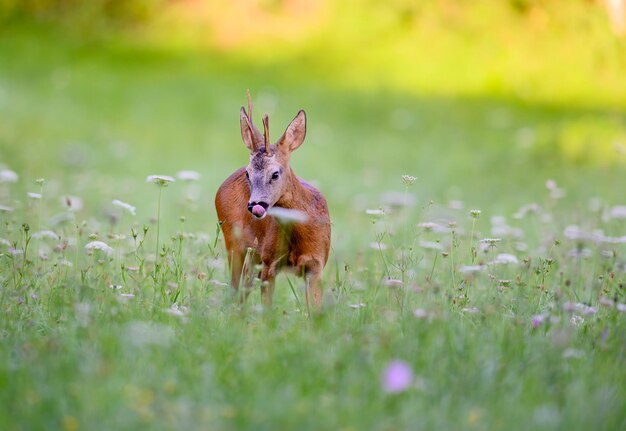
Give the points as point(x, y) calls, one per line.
point(258, 209)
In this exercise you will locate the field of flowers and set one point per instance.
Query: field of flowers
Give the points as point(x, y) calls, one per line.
point(476, 280)
point(110, 323)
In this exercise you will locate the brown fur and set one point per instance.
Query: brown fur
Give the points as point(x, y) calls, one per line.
point(303, 247)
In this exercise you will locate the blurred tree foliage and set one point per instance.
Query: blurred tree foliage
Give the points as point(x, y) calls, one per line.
point(81, 14)
point(535, 50)
point(87, 12)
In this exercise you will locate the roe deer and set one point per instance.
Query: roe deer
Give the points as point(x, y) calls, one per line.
point(246, 201)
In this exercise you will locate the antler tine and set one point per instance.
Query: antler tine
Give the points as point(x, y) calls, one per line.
point(249, 104)
point(255, 131)
point(266, 134)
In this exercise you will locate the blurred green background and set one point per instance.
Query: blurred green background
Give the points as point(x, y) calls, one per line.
point(482, 100)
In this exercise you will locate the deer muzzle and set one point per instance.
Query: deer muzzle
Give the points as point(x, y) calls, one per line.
point(258, 209)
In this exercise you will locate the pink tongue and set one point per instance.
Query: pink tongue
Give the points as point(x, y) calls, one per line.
point(258, 210)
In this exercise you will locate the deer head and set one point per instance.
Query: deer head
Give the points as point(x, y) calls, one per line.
point(268, 172)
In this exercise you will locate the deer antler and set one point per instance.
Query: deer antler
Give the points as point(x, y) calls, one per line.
point(249, 104)
point(266, 135)
point(256, 133)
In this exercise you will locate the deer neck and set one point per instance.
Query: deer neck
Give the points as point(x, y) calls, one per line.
point(295, 195)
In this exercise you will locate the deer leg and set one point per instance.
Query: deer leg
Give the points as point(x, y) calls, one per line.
point(313, 278)
point(267, 292)
point(314, 290)
point(247, 274)
point(268, 279)
point(236, 269)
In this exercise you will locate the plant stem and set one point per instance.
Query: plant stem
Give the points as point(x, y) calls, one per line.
point(471, 238)
point(452, 258)
point(156, 256)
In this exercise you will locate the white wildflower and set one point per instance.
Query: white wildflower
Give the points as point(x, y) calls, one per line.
point(578, 253)
point(357, 305)
point(470, 269)
point(160, 180)
point(188, 175)
point(6, 209)
point(531, 208)
point(5, 241)
point(475, 213)
point(574, 233)
point(43, 254)
point(490, 241)
point(99, 245)
point(608, 254)
point(431, 245)
point(621, 307)
point(124, 298)
point(34, 195)
point(8, 176)
point(46, 234)
point(576, 320)
point(128, 207)
point(177, 311)
point(375, 212)
point(588, 310)
point(214, 263)
point(287, 216)
point(579, 307)
point(618, 212)
point(612, 239)
point(471, 310)
point(429, 226)
point(606, 302)
point(202, 238)
point(505, 258)
point(420, 313)
point(393, 282)
point(73, 203)
point(555, 191)
point(408, 180)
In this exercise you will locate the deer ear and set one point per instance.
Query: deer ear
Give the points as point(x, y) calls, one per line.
point(294, 135)
point(246, 131)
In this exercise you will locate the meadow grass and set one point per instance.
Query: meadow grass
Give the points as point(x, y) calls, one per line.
point(511, 317)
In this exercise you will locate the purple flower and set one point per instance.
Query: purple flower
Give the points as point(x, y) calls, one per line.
point(397, 377)
point(538, 320)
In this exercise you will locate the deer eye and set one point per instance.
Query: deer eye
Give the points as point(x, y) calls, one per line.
point(275, 176)
point(247, 175)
